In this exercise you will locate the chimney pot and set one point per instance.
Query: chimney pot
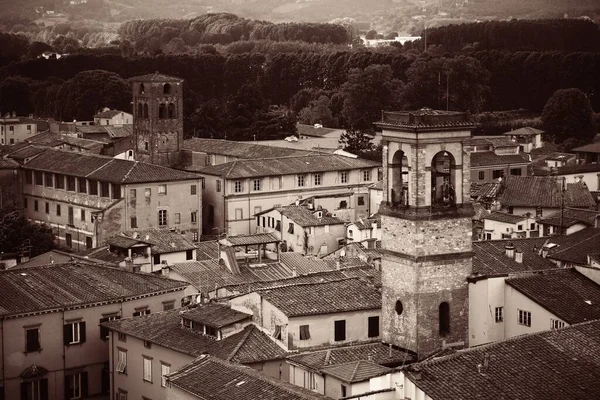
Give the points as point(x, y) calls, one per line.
point(509, 250)
point(519, 256)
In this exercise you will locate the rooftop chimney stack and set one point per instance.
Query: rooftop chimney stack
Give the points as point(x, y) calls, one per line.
point(544, 252)
point(519, 256)
point(510, 250)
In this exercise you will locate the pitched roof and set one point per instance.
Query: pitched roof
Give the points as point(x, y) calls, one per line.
point(578, 168)
point(575, 247)
point(7, 163)
point(164, 329)
point(367, 223)
point(571, 216)
point(105, 169)
point(216, 315)
point(589, 148)
point(113, 131)
point(207, 250)
point(377, 352)
point(525, 131)
point(247, 240)
point(302, 264)
point(108, 113)
point(494, 141)
point(287, 166)
point(544, 191)
point(489, 158)
point(124, 242)
point(242, 150)
point(566, 293)
point(210, 378)
point(65, 285)
point(324, 298)
point(490, 257)
point(209, 275)
point(483, 191)
point(304, 217)
point(356, 371)
point(162, 240)
point(518, 368)
point(505, 217)
point(156, 77)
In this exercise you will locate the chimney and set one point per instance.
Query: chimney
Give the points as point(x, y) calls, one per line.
point(294, 271)
point(510, 250)
point(519, 256)
point(337, 263)
point(166, 270)
point(544, 252)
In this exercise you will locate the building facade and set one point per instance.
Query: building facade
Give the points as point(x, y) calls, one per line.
point(113, 117)
point(12, 130)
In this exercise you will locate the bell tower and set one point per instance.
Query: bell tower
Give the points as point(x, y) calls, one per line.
point(427, 229)
point(157, 118)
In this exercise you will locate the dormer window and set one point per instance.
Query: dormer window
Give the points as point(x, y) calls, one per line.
point(186, 323)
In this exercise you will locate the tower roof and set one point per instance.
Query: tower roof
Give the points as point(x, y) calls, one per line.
point(426, 119)
point(156, 77)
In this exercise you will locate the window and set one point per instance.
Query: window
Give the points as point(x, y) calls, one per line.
point(344, 391)
point(82, 185)
point(49, 179)
point(304, 332)
point(71, 183)
point(76, 386)
point(39, 178)
point(11, 128)
point(35, 205)
point(300, 180)
point(524, 318)
point(58, 210)
point(162, 217)
point(168, 305)
point(132, 193)
point(343, 204)
point(278, 226)
point(339, 328)
point(210, 330)
point(71, 216)
point(82, 214)
point(366, 175)
point(499, 314)
point(122, 362)
point(162, 190)
point(318, 179)
point(134, 222)
point(116, 191)
point(74, 333)
point(122, 394)
point(177, 218)
point(28, 127)
point(373, 326)
point(194, 217)
point(141, 311)
point(277, 332)
point(147, 369)
point(146, 145)
point(69, 240)
point(239, 213)
point(104, 189)
point(105, 332)
point(515, 171)
point(519, 227)
point(122, 337)
point(539, 211)
point(481, 175)
point(32, 339)
point(147, 344)
point(218, 182)
point(156, 259)
point(361, 200)
point(256, 185)
point(291, 228)
point(497, 173)
point(34, 390)
point(344, 177)
point(237, 187)
point(165, 369)
point(60, 181)
point(444, 319)
point(29, 177)
point(47, 208)
point(88, 242)
point(556, 324)
point(193, 189)
point(532, 227)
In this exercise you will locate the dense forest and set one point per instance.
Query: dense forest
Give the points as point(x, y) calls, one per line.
point(250, 79)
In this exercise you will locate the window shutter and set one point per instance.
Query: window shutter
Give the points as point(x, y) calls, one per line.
point(84, 384)
point(82, 332)
point(67, 387)
point(44, 389)
point(67, 334)
point(24, 390)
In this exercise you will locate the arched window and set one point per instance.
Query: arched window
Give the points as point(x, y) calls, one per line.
point(146, 111)
point(167, 89)
point(140, 110)
point(141, 88)
point(444, 319)
point(443, 192)
point(162, 111)
point(171, 108)
point(398, 171)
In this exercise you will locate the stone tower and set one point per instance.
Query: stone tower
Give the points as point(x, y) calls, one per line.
point(157, 118)
point(426, 220)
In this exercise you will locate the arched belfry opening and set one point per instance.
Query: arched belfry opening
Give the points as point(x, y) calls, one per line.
point(145, 111)
point(171, 111)
point(167, 88)
point(141, 88)
point(398, 171)
point(162, 111)
point(443, 182)
point(140, 110)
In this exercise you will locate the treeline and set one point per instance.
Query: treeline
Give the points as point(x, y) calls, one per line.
point(518, 35)
point(157, 34)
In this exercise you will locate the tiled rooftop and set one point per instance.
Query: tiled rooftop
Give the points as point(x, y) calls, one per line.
point(156, 77)
point(377, 352)
point(525, 131)
point(303, 265)
point(216, 315)
point(565, 293)
point(356, 371)
point(489, 158)
point(589, 148)
point(490, 257)
point(207, 250)
point(310, 130)
point(562, 363)
point(241, 150)
point(55, 286)
point(108, 114)
point(425, 118)
point(105, 169)
point(324, 298)
point(211, 378)
point(571, 216)
point(247, 240)
point(575, 247)
point(304, 217)
point(544, 191)
point(162, 240)
point(287, 166)
point(505, 217)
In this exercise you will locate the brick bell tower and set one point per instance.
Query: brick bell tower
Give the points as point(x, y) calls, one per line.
point(157, 118)
point(427, 228)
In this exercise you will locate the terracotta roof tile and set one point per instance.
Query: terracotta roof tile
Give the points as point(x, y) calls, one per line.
point(304, 217)
point(156, 77)
point(490, 257)
point(525, 131)
point(162, 240)
point(575, 247)
point(356, 371)
point(242, 150)
point(489, 158)
point(216, 315)
point(505, 217)
point(544, 191)
point(571, 216)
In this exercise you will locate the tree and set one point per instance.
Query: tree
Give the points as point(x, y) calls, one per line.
point(371, 34)
point(358, 141)
point(16, 231)
point(318, 112)
point(15, 95)
point(568, 114)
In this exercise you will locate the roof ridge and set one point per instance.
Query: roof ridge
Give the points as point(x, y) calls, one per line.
point(355, 371)
point(135, 163)
point(240, 344)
